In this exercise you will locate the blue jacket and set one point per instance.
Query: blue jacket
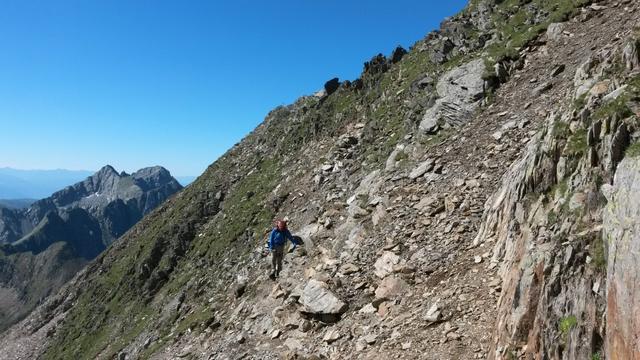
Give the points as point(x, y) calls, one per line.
point(279, 238)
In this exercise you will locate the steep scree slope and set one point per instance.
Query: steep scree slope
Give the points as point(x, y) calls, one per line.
point(446, 213)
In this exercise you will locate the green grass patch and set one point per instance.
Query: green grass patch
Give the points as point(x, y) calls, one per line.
point(560, 130)
point(552, 217)
point(560, 188)
point(515, 22)
point(580, 102)
point(437, 138)
point(633, 151)
point(598, 256)
point(617, 107)
point(566, 324)
point(577, 143)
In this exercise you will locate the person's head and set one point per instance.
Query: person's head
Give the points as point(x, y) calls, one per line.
point(281, 225)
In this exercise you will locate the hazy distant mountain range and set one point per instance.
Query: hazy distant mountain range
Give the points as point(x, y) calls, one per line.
point(43, 245)
point(36, 184)
point(16, 203)
point(17, 184)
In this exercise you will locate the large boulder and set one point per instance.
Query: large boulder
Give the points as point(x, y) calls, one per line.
point(622, 238)
point(384, 264)
point(555, 31)
point(377, 65)
point(319, 300)
point(460, 91)
point(331, 86)
point(398, 54)
point(441, 50)
point(422, 169)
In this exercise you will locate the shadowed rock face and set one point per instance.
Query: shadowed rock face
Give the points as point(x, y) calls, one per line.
point(45, 244)
point(622, 233)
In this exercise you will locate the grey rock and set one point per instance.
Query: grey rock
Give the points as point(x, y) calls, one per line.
point(349, 268)
point(391, 287)
point(331, 86)
point(317, 299)
point(583, 79)
point(460, 91)
point(615, 94)
point(555, 31)
point(293, 344)
point(429, 123)
point(331, 335)
point(622, 235)
point(433, 314)
point(390, 164)
point(631, 55)
point(384, 265)
point(441, 50)
point(377, 65)
point(422, 169)
point(397, 54)
point(356, 211)
point(370, 339)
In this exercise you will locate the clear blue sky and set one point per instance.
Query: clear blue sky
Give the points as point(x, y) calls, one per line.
point(134, 83)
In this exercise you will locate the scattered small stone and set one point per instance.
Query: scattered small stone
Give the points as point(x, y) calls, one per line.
point(370, 339)
point(368, 309)
point(433, 314)
point(349, 268)
point(331, 335)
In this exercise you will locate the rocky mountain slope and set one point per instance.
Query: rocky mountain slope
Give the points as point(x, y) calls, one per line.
point(44, 245)
point(472, 198)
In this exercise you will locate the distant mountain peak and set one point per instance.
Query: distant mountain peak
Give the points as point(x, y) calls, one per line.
point(107, 184)
point(107, 169)
point(60, 233)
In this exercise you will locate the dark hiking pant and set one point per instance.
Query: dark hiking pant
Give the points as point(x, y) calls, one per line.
point(276, 259)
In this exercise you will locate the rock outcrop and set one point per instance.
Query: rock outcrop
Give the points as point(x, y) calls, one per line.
point(318, 300)
point(622, 235)
point(460, 91)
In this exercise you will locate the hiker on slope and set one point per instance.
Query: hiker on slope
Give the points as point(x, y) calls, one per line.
point(277, 241)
